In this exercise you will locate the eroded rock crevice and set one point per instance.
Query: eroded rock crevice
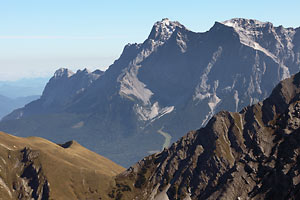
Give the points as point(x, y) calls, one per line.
point(32, 184)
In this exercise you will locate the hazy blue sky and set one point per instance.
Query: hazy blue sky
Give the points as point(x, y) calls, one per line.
point(37, 37)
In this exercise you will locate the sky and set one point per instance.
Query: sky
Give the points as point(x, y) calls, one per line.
point(37, 37)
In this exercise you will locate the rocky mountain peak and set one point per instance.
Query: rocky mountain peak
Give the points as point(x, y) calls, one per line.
point(85, 71)
point(250, 30)
point(264, 36)
point(65, 84)
point(162, 30)
point(63, 72)
point(246, 23)
point(87, 74)
point(98, 71)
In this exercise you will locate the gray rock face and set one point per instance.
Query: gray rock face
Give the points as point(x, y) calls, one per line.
point(253, 154)
point(172, 83)
point(61, 89)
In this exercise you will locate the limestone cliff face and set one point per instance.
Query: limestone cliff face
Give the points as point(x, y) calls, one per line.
point(253, 154)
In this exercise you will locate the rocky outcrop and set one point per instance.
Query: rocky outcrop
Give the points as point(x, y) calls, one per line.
point(253, 154)
point(25, 179)
point(32, 183)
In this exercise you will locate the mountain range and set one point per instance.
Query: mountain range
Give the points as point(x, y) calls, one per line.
point(253, 154)
point(173, 82)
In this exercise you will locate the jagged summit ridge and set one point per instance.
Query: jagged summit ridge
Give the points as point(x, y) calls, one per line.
point(63, 72)
point(162, 30)
point(253, 33)
point(246, 23)
point(67, 73)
